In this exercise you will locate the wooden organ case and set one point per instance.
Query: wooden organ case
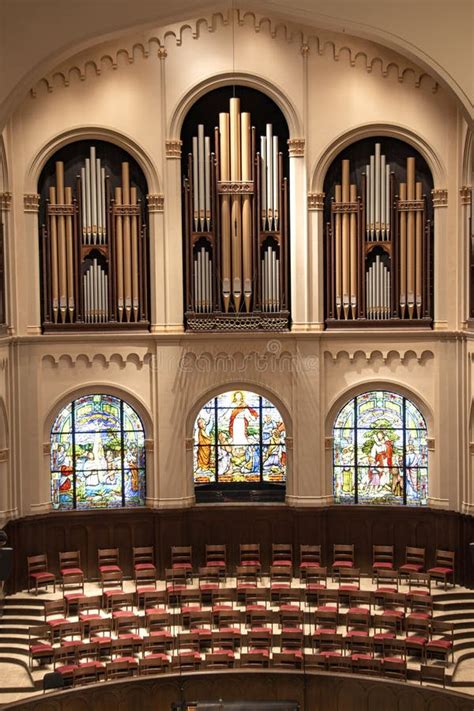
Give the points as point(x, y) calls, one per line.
point(236, 226)
point(94, 242)
point(378, 237)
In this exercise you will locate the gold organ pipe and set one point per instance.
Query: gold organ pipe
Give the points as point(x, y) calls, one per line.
point(69, 255)
point(119, 253)
point(418, 251)
point(246, 211)
point(134, 219)
point(61, 242)
point(54, 256)
point(236, 215)
point(337, 218)
point(411, 238)
point(403, 253)
point(127, 272)
point(345, 240)
point(225, 208)
point(353, 248)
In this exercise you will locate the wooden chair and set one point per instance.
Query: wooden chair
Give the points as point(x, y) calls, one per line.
point(432, 673)
point(361, 665)
point(56, 609)
point(216, 557)
point(348, 578)
point(40, 647)
point(70, 569)
point(414, 561)
point(220, 660)
point(110, 572)
point(288, 659)
point(310, 558)
point(443, 570)
point(417, 635)
point(382, 559)
point(121, 669)
point(441, 642)
point(395, 669)
point(257, 658)
point(144, 568)
point(343, 557)
point(249, 554)
point(86, 606)
point(229, 638)
point(182, 559)
point(187, 661)
point(38, 572)
point(154, 664)
point(282, 555)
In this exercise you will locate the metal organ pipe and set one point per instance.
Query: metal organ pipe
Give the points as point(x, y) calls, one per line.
point(377, 197)
point(418, 251)
point(224, 156)
point(403, 252)
point(69, 256)
point(246, 211)
point(411, 238)
point(236, 213)
point(345, 240)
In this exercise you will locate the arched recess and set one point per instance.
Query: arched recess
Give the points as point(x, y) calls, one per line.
point(6, 490)
point(322, 163)
point(125, 395)
point(234, 387)
point(101, 133)
point(343, 399)
point(254, 81)
point(4, 177)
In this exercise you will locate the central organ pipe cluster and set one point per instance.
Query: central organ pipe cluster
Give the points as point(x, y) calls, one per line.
point(378, 245)
point(94, 249)
point(236, 227)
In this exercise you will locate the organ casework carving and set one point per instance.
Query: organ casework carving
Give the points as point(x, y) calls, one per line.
point(94, 243)
point(378, 244)
point(236, 227)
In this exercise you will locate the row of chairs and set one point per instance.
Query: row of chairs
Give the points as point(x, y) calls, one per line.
point(144, 565)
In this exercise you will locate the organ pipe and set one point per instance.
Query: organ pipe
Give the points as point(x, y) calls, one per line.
point(382, 274)
point(236, 222)
point(87, 278)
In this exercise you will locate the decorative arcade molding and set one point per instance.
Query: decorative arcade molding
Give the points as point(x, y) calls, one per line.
point(31, 202)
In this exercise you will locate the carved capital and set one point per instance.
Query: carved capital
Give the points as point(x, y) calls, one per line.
point(173, 148)
point(431, 443)
point(149, 446)
point(46, 449)
point(162, 53)
point(440, 197)
point(5, 202)
point(31, 202)
point(316, 201)
point(466, 194)
point(3, 455)
point(155, 202)
point(189, 444)
point(328, 442)
point(296, 147)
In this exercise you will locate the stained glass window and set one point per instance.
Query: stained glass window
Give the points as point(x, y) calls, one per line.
point(380, 451)
point(239, 437)
point(97, 455)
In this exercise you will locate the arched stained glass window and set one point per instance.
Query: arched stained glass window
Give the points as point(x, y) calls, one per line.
point(380, 451)
point(239, 437)
point(97, 455)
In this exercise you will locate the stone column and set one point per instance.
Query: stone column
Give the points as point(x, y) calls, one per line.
point(298, 235)
point(441, 283)
point(28, 259)
point(157, 262)
point(316, 274)
point(467, 231)
point(5, 207)
point(174, 239)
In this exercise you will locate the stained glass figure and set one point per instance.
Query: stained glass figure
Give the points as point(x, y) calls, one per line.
point(380, 453)
point(97, 455)
point(239, 437)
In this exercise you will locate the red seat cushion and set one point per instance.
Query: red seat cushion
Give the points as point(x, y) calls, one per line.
point(384, 635)
point(145, 566)
point(86, 616)
point(357, 633)
point(182, 566)
point(41, 647)
point(397, 613)
point(157, 655)
point(394, 659)
point(57, 621)
point(101, 640)
point(361, 656)
point(415, 567)
point(121, 613)
point(160, 633)
point(71, 571)
point(343, 564)
point(42, 576)
point(110, 568)
point(297, 653)
point(265, 652)
point(442, 571)
point(441, 643)
point(358, 611)
point(130, 660)
point(97, 665)
point(216, 564)
point(66, 668)
point(310, 564)
point(109, 593)
point(230, 630)
point(283, 563)
point(130, 635)
point(348, 588)
point(416, 639)
point(292, 630)
point(385, 566)
point(324, 630)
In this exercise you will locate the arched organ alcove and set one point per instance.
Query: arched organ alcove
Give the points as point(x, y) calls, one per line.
point(94, 244)
point(379, 236)
point(235, 207)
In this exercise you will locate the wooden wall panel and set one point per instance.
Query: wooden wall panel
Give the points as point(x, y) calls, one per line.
point(364, 526)
point(314, 692)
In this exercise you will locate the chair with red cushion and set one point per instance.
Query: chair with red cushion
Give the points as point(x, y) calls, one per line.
point(250, 556)
point(156, 663)
point(417, 635)
point(182, 559)
point(216, 557)
point(144, 568)
point(38, 572)
point(222, 659)
point(382, 559)
point(70, 569)
point(441, 642)
point(288, 659)
point(282, 555)
point(443, 569)
point(343, 557)
point(310, 558)
point(110, 571)
point(414, 561)
point(39, 642)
